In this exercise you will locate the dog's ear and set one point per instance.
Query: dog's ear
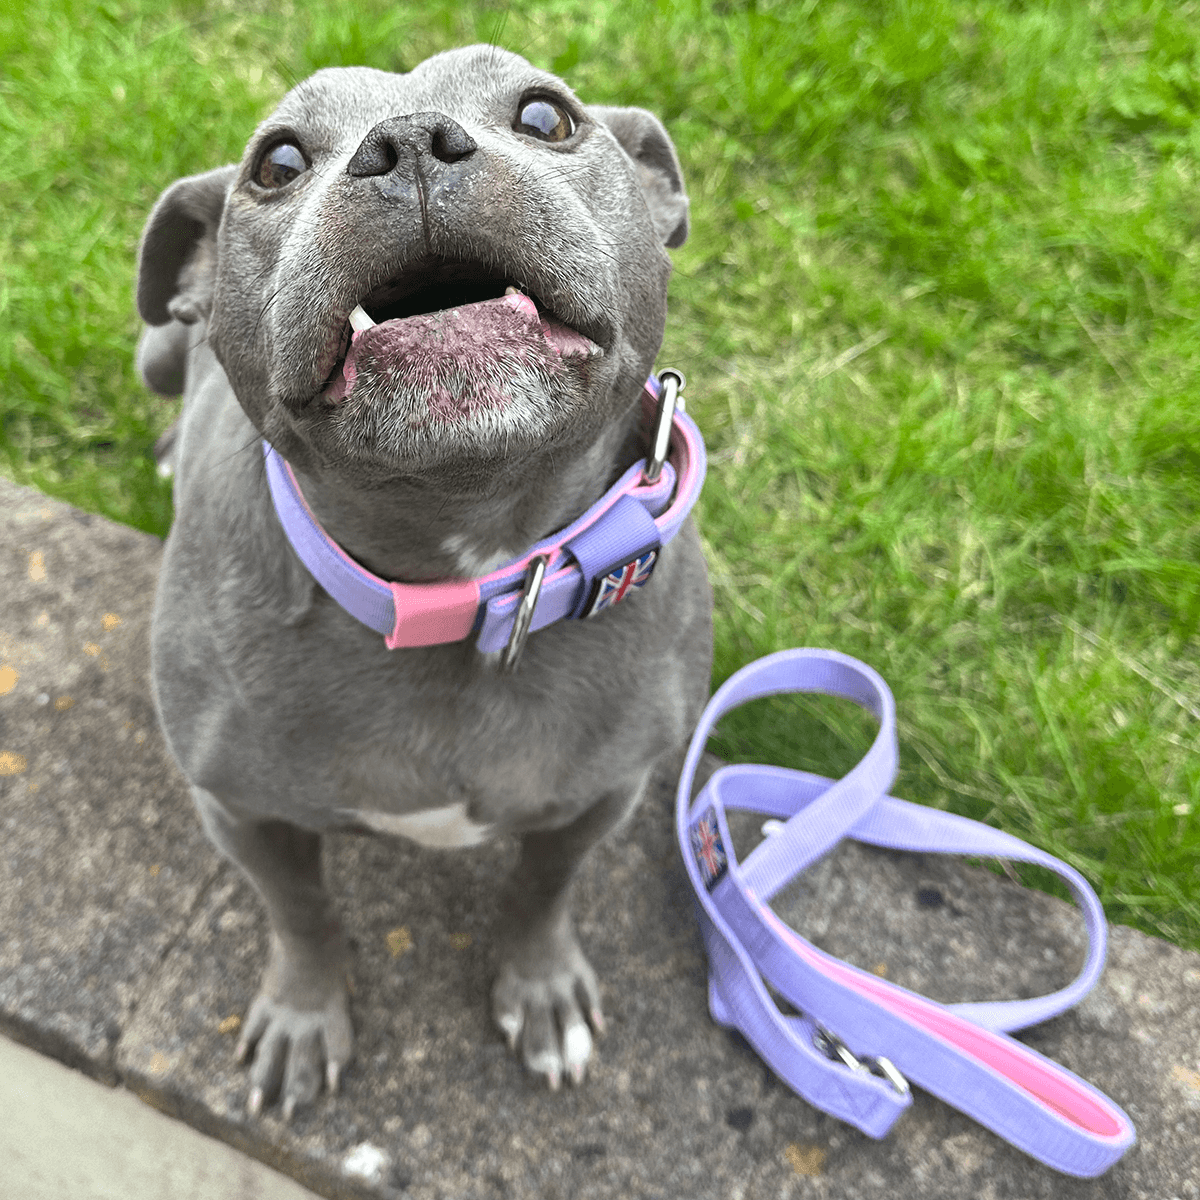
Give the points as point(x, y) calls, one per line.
point(643, 138)
point(177, 260)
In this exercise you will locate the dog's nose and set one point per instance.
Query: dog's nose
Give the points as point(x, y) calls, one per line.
point(420, 135)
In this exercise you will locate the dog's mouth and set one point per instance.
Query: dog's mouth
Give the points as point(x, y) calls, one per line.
point(441, 286)
point(456, 326)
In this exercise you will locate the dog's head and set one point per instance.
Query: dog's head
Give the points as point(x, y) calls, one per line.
point(507, 241)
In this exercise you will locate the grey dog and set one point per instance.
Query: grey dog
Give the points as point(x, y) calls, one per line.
point(405, 196)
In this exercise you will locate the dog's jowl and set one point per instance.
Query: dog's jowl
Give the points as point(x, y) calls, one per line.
point(413, 329)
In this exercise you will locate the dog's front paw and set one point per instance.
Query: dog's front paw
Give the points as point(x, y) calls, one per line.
point(543, 1010)
point(294, 1050)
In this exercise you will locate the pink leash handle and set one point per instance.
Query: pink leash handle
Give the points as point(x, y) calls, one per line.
point(857, 1033)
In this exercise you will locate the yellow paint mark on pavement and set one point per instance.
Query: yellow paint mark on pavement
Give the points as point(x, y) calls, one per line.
point(1189, 1079)
point(96, 651)
point(230, 1024)
point(399, 941)
point(8, 679)
point(63, 703)
point(11, 763)
point(805, 1160)
point(37, 566)
point(110, 621)
point(460, 941)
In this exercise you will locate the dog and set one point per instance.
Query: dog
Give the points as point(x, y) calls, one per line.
point(429, 303)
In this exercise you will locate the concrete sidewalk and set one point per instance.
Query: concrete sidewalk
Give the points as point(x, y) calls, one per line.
point(128, 950)
point(67, 1136)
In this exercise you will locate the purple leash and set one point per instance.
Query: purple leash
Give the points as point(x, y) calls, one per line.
point(858, 1038)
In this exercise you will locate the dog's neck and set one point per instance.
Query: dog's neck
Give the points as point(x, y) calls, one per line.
point(413, 530)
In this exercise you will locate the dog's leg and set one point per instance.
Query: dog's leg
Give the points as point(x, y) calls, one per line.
point(298, 1028)
point(546, 996)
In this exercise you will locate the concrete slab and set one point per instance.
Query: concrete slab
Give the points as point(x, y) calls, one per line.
point(68, 1136)
point(433, 1106)
point(102, 859)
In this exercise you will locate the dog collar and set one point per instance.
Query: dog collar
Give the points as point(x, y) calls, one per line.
point(579, 571)
point(833, 1052)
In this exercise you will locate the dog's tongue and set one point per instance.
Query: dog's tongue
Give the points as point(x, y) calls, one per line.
point(471, 340)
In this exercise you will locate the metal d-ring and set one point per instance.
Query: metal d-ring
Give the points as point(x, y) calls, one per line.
point(832, 1046)
point(672, 383)
point(534, 574)
point(886, 1069)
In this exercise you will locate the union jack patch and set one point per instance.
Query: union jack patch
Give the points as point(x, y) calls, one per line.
point(620, 581)
point(709, 849)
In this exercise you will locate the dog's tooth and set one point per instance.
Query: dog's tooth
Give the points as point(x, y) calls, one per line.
point(359, 319)
point(512, 291)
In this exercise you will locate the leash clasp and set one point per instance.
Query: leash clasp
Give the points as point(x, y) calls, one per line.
point(672, 383)
point(832, 1046)
point(886, 1069)
point(534, 574)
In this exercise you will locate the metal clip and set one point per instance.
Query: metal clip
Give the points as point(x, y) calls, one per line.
point(534, 574)
point(832, 1046)
point(886, 1069)
point(672, 383)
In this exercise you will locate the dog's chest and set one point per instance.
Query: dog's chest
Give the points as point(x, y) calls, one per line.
point(455, 775)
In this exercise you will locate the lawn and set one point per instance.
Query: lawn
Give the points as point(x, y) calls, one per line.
point(938, 313)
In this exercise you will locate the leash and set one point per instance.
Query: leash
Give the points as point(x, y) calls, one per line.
point(578, 572)
point(859, 1039)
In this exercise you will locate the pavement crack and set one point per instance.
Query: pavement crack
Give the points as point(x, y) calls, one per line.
point(182, 924)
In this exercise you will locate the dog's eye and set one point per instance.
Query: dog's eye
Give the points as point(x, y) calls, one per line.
point(280, 165)
point(546, 120)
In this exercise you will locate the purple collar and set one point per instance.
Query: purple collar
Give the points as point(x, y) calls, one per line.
point(590, 565)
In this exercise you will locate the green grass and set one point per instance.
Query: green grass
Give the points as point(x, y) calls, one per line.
point(938, 311)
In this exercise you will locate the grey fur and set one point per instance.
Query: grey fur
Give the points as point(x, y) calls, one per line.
point(284, 713)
